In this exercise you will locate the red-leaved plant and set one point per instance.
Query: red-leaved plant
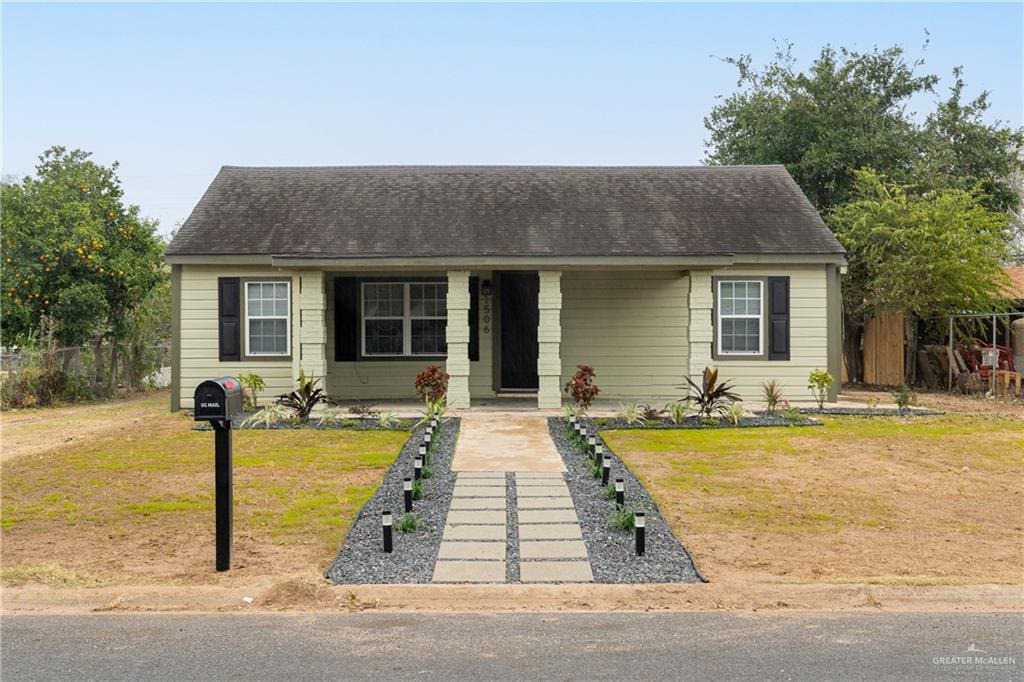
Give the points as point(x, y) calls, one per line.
point(432, 384)
point(581, 388)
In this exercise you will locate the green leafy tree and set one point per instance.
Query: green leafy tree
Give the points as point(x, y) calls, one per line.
point(846, 111)
point(925, 255)
point(75, 253)
point(850, 111)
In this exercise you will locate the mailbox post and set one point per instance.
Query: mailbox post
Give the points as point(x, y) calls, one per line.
point(218, 401)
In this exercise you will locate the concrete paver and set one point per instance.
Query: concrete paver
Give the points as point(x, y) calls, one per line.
point(478, 516)
point(552, 549)
point(469, 572)
point(527, 516)
point(453, 549)
point(555, 571)
point(471, 532)
point(550, 531)
point(553, 502)
point(541, 491)
point(460, 503)
point(479, 491)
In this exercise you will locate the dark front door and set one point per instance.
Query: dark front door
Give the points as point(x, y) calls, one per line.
point(519, 320)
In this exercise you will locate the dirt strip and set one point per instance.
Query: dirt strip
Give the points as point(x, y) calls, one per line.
point(303, 594)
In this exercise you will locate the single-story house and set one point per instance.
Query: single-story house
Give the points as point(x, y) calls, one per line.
point(508, 277)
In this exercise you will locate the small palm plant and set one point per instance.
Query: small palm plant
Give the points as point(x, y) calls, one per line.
point(711, 398)
point(676, 411)
point(633, 414)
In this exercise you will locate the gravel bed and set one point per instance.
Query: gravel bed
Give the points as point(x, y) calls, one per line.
point(751, 421)
point(511, 530)
point(612, 553)
point(362, 558)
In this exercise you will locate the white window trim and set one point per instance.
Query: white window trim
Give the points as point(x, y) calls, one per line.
point(759, 317)
point(407, 318)
point(287, 320)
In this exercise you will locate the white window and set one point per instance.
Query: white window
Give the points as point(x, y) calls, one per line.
point(740, 316)
point(404, 318)
point(267, 306)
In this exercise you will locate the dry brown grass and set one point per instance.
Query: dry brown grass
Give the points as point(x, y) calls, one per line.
point(129, 497)
point(936, 500)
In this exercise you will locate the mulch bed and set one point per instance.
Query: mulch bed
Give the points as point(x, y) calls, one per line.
point(612, 552)
point(751, 421)
point(353, 424)
point(362, 559)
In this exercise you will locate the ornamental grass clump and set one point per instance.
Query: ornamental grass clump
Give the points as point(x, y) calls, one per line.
point(676, 412)
point(623, 518)
point(581, 388)
point(771, 391)
point(407, 523)
point(633, 414)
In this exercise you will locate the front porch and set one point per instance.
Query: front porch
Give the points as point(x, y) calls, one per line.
point(511, 338)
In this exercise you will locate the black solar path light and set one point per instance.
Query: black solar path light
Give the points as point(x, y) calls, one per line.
point(620, 492)
point(417, 468)
point(606, 469)
point(640, 523)
point(385, 519)
point(407, 494)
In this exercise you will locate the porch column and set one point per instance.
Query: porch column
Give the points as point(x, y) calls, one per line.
point(702, 331)
point(549, 340)
point(309, 326)
point(457, 335)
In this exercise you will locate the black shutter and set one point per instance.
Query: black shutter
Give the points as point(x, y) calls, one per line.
point(474, 318)
point(346, 319)
point(778, 318)
point(229, 304)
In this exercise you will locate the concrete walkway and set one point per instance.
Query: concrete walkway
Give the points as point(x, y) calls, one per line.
point(476, 540)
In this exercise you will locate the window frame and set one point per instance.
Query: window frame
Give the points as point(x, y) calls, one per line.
point(249, 317)
point(761, 316)
point(407, 319)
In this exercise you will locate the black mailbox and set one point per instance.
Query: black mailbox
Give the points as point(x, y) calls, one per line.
point(218, 399)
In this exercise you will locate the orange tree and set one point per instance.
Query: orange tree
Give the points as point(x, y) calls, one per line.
point(74, 254)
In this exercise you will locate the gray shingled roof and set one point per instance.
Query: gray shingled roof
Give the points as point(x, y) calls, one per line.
point(435, 211)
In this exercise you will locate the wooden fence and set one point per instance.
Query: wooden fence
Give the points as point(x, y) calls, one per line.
point(884, 350)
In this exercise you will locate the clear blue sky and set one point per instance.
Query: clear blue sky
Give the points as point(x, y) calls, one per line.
point(175, 91)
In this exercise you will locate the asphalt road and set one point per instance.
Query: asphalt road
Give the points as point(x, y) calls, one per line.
point(570, 646)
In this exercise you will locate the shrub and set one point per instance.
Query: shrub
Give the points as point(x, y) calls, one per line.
point(364, 411)
point(633, 414)
point(622, 518)
point(819, 382)
point(432, 384)
point(903, 397)
point(711, 398)
point(387, 420)
point(676, 411)
point(581, 388)
point(735, 413)
point(790, 412)
point(302, 400)
point(252, 384)
point(771, 391)
point(651, 413)
point(571, 411)
point(407, 523)
point(33, 386)
point(432, 409)
point(269, 417)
